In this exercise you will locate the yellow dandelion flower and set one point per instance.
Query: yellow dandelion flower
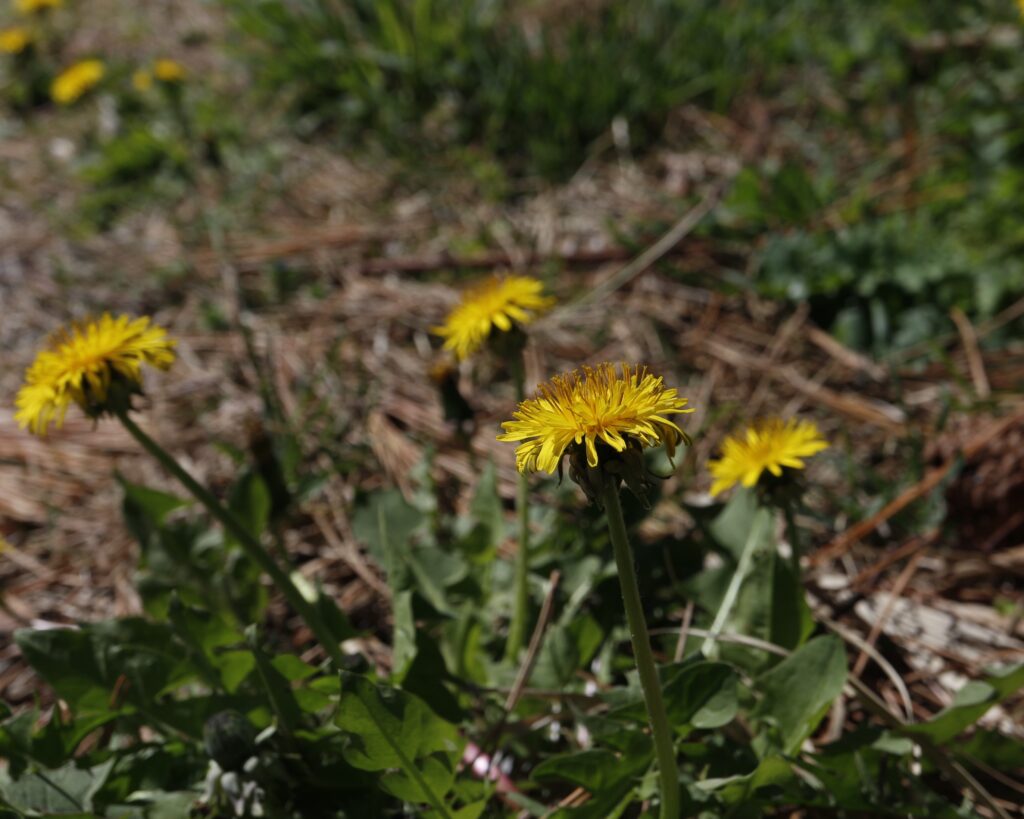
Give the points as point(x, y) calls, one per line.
point(76, 81)
point(81, 363)
point(599, 405)
point(33, 6)
point(769, 445)
point(1020, 7)
point(142, 80)
point(168, 71)
point(14, 40)
point(500, 302)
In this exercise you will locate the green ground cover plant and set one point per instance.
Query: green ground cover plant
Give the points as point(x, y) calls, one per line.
point(526, 655)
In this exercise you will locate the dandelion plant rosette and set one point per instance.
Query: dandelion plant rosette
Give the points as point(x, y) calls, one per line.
point(768, 457)
point(602, 419)
point(98, 365)
point(495, 313)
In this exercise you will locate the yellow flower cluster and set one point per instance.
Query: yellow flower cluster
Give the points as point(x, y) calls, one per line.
point(599, 405)
point(499, 303)
point(82, 362)
point(14, 40)
point(75, 81)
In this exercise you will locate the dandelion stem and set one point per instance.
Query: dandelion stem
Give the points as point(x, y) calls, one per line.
point(517, 629)
point(250, 545)
point(751, 546)
point(664, 747)
point(793, 534)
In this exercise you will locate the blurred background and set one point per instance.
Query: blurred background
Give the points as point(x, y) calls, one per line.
point(784, 207)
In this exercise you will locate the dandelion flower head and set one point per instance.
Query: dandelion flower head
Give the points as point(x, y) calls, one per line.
point(770, 445)
point(596, 406)
point(82, 362)
point(167, 70)
point(498, 303)
point(75, 81)
point(33, 6)
point(14, 40)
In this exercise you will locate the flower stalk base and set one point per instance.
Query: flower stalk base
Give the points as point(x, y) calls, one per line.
point(664, 747)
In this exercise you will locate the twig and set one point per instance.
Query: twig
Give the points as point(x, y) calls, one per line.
point(844, 355)
point(915, 544)
point(884, 614)
point(878, 413)
point(489, 744)
point(684, 630)
point(975, 363)
point(536, 640)
point(350, 555)
point(888, 669)
point(666, 243)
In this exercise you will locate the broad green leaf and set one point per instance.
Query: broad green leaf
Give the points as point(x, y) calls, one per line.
point(427, 675)
point(797, 692)
point(62, 791)
point(594, 769)
point(970, 704)
point(567, 647)
point(249, 502)
point(84, 665)
point(146, 509)
point(435, 571)
point(403, 635)
point(390, 728)
point(487, 518)
point(791, 621)
point(401, 520)
point(772, 770)
point(282, 700)
point(437, 771)
point(697, 695)
point(610, 778)
point(234, 667)
point(292, 668)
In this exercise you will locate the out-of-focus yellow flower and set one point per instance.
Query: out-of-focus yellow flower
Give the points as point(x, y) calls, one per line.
point(769, 445)
point(34, 6)
point(81, 364)
point(142, 80)
point(75, 81)
point(168, 71)
point(501, 303)
point(14, 40)
point(1020, 6)
point(598, 406)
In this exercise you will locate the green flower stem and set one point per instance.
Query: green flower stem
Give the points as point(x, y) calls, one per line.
point(795, 547)
point(753, 542)
point(517, 628)
point(250, 545)
point(664, 747)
